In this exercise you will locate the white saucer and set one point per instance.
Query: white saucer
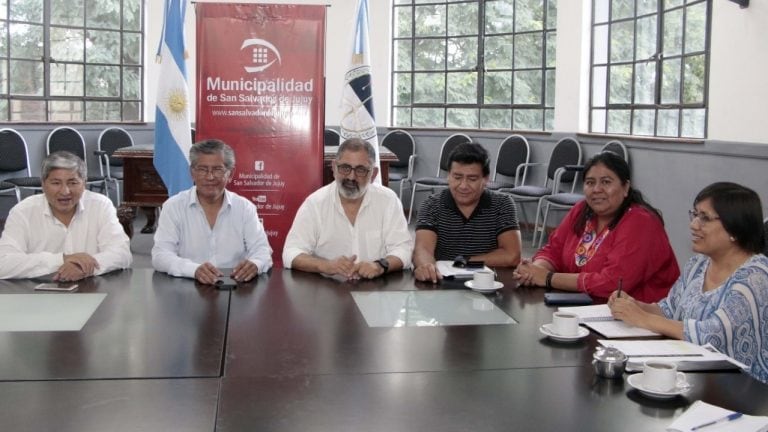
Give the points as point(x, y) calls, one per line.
point(636, 382)
point(546, 329)
point(496, 286)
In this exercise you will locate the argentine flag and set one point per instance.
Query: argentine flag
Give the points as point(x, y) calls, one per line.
point(172, 127)
point(357, 120)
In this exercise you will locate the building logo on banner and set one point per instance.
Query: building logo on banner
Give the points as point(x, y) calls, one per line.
point(264, 54)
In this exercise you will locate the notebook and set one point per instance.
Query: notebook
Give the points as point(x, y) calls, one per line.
point(688, 356)
point(600, 319)
point(701, 413)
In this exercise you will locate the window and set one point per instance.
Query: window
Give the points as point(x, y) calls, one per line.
point(649, 67)
point(71, 60)
point(487, 64)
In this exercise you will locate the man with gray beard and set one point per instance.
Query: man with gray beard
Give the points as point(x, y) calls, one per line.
point(350, 229)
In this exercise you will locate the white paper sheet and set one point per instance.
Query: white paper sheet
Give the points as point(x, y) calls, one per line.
point(618, 329)
point(701, 412)
point(446, 268)
point(688, 356)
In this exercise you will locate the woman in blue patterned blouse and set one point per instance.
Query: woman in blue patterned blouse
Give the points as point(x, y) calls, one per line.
point(722, 296)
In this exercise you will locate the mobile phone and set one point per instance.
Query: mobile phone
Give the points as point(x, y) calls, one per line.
point(475, 264)
point(557, 298)
point(226, 283)
point(56, 287)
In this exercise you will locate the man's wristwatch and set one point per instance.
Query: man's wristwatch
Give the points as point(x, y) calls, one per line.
point(384, 263)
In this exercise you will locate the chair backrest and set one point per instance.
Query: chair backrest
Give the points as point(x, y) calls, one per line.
point(331, 138)
point(617, 147)
point(401, 143)
point(567, 151)
point(114, 138)
point(15, 155)
point(449, 144)
point(64, 138)
point(514, 150)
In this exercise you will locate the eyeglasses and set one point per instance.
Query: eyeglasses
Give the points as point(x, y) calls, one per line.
point(217, 172)
point(702, 217)
point(360, 171)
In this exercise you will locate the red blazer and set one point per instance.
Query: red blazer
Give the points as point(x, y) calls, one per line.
point(637, 250)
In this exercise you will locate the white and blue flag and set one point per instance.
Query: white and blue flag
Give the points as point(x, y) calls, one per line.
point(357, 120)
point(172, 126)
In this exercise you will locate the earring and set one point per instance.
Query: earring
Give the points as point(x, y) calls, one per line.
point(732, 238)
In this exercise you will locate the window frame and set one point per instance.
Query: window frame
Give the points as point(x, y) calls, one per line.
point(658, 106)
point(547, 67)
point(126, 113)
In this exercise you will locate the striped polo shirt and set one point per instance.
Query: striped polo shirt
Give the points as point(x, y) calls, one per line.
point(456, 235)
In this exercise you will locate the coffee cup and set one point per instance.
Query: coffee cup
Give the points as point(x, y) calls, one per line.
point(660, 376)
point(565, 323)
point(483, 279)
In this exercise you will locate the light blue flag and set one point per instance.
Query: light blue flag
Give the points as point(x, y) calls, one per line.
point(357, 118)
point(172, 127)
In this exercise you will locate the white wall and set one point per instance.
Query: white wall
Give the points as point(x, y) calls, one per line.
point(738, 87)
point(572, 73)
point(339, 34)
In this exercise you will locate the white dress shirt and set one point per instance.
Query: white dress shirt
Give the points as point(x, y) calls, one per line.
point(322, 229)
point(184, 240)
point(34, 241)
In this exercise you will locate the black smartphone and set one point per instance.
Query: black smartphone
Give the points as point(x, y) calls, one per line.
point(558, 298)
point(475, 264)
point(226, 283)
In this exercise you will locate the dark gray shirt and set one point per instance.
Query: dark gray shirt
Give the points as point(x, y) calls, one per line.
point(457, 235)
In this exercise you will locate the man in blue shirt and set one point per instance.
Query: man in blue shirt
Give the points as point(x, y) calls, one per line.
point(208, 228)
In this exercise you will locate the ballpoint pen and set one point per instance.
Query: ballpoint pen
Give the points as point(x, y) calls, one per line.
point(729, 417)
point(618, 292)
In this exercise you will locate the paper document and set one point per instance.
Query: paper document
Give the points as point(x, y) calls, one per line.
point(702, 413)
point(619, 329)
point(600, 319)
point(446, 268)
point(688, 356)
point(590, 313)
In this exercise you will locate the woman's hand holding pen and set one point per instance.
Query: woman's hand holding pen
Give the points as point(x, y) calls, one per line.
point(625, 308)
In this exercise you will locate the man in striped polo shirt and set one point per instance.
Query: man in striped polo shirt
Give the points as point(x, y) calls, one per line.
point(466, 219)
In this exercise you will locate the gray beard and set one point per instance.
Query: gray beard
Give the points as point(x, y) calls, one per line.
point(352, 192)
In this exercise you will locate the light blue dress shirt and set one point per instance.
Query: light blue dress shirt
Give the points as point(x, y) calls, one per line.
point(184, 240)
point(732, 317)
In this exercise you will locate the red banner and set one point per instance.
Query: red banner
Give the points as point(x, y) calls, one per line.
point(260, 89)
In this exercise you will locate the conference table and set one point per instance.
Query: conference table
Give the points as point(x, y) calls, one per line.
point(293, 351)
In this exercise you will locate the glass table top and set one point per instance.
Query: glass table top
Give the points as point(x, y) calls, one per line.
point(428, 308)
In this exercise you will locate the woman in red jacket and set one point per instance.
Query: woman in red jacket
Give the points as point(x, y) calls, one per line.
point(613, 235)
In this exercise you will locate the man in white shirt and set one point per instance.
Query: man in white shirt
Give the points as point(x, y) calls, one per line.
point(350, 228)
point(68, 231)
point(207, 228)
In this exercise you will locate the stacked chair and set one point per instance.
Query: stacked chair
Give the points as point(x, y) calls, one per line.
point(402, 144)
point(567, 152)
point(440, 180)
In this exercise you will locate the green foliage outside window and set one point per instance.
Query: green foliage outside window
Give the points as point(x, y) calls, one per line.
point(485, 64)
point(71, 60)
point(649, 67)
